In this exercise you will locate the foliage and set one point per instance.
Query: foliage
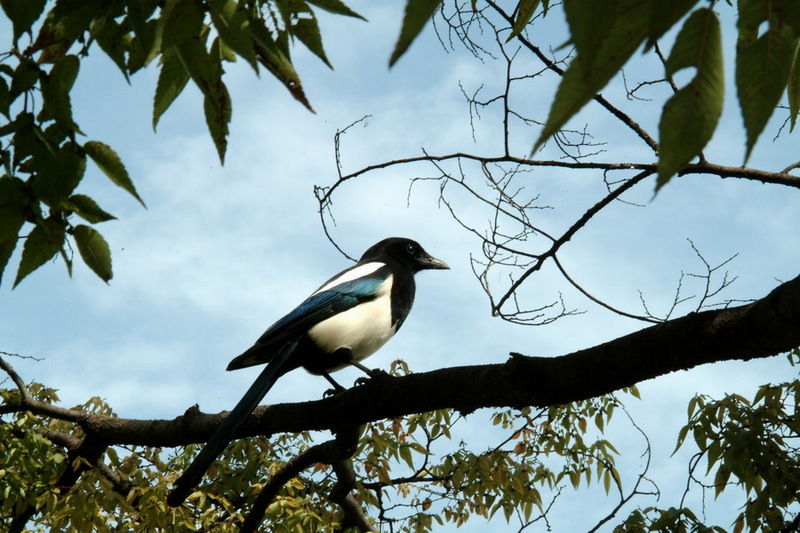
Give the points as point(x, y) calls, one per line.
point(749, 444)
point(41, 148)
point(412, 472)
point(606, 35)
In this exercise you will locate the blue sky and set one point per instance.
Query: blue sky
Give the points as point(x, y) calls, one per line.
point(222, 252)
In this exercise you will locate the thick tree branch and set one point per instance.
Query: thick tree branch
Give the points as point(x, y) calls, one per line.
point(764, 328)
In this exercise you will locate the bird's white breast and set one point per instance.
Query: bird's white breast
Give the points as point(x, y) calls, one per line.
point(349, 275)
point(364, 328)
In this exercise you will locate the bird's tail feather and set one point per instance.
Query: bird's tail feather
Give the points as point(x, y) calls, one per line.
point(225, 432)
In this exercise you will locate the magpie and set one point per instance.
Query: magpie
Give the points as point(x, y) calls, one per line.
point(346, 320)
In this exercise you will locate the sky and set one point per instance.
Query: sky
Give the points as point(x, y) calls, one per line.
point(221, 252)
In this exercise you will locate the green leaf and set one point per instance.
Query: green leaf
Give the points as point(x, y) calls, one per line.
point(275, 60)
point(665, 15)
point(5, 99)
point(147, 42)
point(417, 15)
point(68, 21)
point(307, 30)
point(22, 13)
point(206, 71)
point(336, 7)
point(218, 110)
point(182, 21)
point(56, 177)
point(172, 79)
point(763, 63)
point(55, 91)
point(87, 208)
point(26, 75)
point(13, 207)
point(525, 11)
point(199, 64)
point(109, 162)
point(690, 116)
point(115, 40)
point(793, 88)
point(42, 244)
point(233, 25)
point(94, 250)
point(605, 36)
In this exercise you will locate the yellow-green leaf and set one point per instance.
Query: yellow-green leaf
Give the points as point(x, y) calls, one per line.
point(109, 162)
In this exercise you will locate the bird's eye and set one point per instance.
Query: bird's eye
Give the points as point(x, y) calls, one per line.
point(411, 249)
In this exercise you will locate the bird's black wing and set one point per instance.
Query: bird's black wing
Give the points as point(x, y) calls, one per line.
point(316, 308)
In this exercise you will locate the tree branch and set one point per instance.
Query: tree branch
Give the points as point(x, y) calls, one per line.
point(761, 329)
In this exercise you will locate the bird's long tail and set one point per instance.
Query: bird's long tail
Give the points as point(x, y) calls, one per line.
point(225, 432)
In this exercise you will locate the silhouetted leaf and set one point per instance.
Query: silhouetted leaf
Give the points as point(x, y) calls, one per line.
point(22, 13)
point(793, 88)
point(307, 30)
point(664, 17)
point(337, 7)
point(605, 35)
point(115, 41)
point(13, 206)
point(690, 116)
point(5, 99)
point(763, 63)
point(417, 15)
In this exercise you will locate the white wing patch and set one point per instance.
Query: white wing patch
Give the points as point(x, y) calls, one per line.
point(364, 328)
point(349, 275)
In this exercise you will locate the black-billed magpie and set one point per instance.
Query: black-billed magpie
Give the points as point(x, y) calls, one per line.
point(346, 320)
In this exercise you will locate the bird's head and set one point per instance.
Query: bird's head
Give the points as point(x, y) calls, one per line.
point(404, 252)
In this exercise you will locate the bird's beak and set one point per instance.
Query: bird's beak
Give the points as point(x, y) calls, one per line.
point(429, 262)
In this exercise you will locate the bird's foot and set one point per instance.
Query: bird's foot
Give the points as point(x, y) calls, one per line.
point(373, 374)
point(330, 393)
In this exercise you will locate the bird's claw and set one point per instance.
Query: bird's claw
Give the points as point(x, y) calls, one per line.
point(375, 373)
point(330, 393)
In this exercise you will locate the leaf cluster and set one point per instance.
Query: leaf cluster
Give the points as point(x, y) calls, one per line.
point(750, 444)
point(606, 34)
point(42, 154)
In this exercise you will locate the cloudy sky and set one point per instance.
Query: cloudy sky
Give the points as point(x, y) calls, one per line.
point(222, 252)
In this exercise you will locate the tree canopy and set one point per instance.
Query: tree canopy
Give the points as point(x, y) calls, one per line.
point(391, 463)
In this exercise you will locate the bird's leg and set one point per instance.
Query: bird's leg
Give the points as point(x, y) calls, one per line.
point(372, 373)
point(336, 387)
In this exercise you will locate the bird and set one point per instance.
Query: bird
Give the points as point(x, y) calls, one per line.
point(344, 321)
